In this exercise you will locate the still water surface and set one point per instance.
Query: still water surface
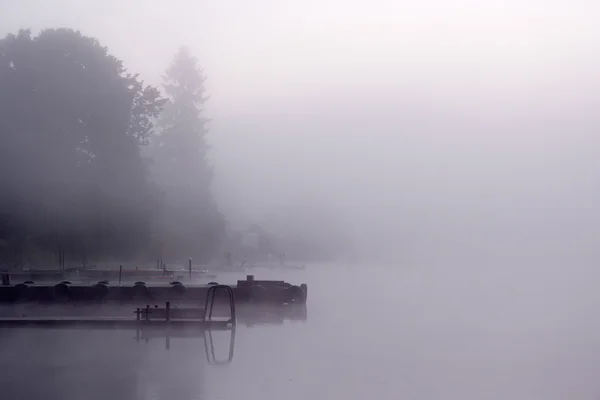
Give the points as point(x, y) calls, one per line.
point(385, 333)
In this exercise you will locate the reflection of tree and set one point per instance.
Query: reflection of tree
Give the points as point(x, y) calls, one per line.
point(71, 365)
point(103, 365)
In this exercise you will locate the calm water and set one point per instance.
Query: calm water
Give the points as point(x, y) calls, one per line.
point(385, 333)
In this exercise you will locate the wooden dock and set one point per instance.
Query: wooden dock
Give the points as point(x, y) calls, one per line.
point(115, 323)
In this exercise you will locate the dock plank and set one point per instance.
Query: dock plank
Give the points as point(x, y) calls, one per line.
point(113, 322)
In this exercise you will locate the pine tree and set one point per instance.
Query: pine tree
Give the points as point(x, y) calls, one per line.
point(181, 165)
point(181, 145)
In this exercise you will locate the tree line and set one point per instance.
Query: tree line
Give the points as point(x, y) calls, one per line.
point(97, 163)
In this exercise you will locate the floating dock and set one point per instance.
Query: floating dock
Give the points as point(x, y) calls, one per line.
point(175, 292)
point(170, 321)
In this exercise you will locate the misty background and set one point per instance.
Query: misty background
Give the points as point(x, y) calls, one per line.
point(399, 131)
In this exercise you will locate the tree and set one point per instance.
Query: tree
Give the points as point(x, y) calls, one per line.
point(192, 223)
point(72, 121)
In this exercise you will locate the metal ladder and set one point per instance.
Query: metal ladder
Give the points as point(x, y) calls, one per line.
point(210, 302)
point(209, 346)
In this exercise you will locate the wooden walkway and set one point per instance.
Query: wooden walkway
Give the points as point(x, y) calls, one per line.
point(114, 323)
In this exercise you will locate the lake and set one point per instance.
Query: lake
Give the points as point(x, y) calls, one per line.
point(427, 332)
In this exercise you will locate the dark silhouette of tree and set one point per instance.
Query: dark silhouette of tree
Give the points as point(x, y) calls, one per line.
point(72, 121)
point(192, 223)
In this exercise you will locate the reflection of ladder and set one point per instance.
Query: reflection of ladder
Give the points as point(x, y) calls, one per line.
point(198, 315)
point(209, 347)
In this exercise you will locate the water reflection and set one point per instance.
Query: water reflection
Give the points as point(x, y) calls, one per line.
point(145, 335)
point(209, 347)
point(140, 363)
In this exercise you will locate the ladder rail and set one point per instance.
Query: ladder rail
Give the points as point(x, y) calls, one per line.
point(209, 348)
point(210, 302)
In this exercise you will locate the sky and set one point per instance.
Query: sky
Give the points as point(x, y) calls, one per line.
point(266, 56)
point(456, 121)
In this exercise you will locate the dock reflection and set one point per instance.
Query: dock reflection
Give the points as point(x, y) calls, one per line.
point(249, 317)
point(104, 364)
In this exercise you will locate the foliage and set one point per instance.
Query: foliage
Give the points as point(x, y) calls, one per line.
point(72, 121)
point(192, 223)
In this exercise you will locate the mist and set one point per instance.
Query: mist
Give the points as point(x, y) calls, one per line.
point(428, 169)
point(390, 131)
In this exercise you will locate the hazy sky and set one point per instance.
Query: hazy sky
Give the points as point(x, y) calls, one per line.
point(393, 114)
point(265, 56)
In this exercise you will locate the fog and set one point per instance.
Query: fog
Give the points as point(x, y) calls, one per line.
point(433, 163)
point(406, 131)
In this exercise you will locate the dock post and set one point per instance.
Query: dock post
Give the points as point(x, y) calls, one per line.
point(168, 311)
point(138, 312)
point(190, 267)
point(120, 273)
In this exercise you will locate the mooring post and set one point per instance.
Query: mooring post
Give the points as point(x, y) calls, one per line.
point(120, 273)
point(168, 311)
point(190, 267)
point(138, 312)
